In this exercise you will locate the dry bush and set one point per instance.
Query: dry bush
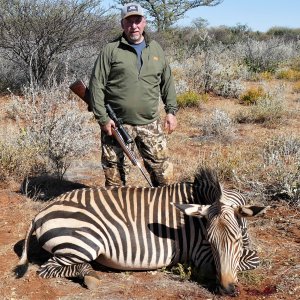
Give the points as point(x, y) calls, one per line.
point(296, 87)
point(271, 171)
point(218, 126)
point(11, 73)
point(282, 162)
point(210, 70)
point(261, 56)
point(35, 33)
point(17, 160)
point(269, 110)
point(288, 74)
point(52, 124)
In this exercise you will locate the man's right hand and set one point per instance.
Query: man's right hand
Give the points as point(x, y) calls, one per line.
point(107, 127)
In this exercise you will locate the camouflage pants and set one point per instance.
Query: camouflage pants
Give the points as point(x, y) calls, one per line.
point(151, 143)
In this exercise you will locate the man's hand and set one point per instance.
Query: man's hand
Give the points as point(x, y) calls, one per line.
point(170, 123)
point(107, 127)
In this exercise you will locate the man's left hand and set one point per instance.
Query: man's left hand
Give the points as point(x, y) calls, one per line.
point(170, 123)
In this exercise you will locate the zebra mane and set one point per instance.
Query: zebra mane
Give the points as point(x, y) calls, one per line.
point(207, 181)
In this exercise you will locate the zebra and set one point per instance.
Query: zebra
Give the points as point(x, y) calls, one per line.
point(145, 228)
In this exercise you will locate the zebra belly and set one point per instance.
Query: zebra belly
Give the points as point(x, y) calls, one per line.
point(137, 265)
point(139, 251)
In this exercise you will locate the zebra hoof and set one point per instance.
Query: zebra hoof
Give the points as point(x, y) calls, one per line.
point(91, 281)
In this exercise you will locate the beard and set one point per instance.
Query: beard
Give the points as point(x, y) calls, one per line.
point(135, 37)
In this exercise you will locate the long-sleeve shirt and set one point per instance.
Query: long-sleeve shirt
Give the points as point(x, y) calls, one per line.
point(132, 92)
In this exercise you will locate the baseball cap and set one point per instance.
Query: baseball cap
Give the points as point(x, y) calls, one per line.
point(131, 9)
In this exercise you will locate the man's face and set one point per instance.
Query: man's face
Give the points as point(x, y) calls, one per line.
point(133, 27)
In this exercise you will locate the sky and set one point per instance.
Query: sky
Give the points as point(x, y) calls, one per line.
point(259, 15)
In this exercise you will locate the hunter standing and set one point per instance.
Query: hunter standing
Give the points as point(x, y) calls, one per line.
point(131, 74)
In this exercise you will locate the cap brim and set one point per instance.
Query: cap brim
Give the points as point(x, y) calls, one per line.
point(134, 13)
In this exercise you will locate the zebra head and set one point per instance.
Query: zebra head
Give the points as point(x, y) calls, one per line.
point(225, 237)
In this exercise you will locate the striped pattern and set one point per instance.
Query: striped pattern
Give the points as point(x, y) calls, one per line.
point(129, 228)
point(137, 228)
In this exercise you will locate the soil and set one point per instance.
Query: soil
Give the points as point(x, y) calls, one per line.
point(276, 236)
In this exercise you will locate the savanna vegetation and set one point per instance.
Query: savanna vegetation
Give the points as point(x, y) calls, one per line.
point(46, 45)
point(238, 92)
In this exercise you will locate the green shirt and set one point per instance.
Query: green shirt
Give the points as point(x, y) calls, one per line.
point(132, 92)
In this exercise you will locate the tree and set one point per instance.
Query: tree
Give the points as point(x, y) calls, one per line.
point(35, 32)
point(200, 23)
point(165, 13)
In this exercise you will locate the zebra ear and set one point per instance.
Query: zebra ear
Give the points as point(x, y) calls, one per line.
point(195, 210)
point(250, 211)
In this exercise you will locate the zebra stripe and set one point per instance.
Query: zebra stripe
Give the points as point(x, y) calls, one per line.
point(137, 228)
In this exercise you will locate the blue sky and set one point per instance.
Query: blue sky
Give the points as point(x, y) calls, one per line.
point(257, 14)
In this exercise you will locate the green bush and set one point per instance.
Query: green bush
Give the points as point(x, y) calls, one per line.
point(252, 95)
point(191, 99)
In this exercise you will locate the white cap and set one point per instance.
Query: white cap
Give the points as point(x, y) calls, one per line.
point(131, 9)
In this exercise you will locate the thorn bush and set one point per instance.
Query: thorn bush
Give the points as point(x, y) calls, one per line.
point(50, 122)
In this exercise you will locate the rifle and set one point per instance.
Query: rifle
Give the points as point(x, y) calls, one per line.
point(119, 132)
point(80, 89)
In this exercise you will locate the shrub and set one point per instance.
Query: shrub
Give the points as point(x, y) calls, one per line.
point(190, 272)
point(184, 271)
point(296, 87)
point(266, 75)
point(227, 160)
point(218, 73)
point(18, 160)
point(252, 95)
point(29, 32)
point(282, 162)
point(269, 110)
point(52, 124)
point(11, 74)
point(289, 74)
point(261, 56)
point(295, 63)
point(219, 125)
point(191, 99)
point(212, 69)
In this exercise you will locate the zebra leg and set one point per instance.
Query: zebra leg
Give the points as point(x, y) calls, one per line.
point(65, 267)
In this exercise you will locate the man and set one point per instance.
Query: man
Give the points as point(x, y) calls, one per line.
point(130, 74)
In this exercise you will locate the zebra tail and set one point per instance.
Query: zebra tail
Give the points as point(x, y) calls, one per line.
point(22, 267)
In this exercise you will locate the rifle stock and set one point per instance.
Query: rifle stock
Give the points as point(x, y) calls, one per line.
point(81, 90)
